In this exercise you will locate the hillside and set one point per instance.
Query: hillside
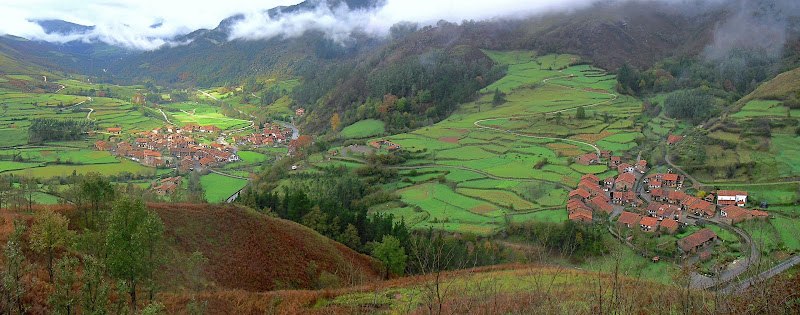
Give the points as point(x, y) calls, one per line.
point(254, 252)
point(507, 289)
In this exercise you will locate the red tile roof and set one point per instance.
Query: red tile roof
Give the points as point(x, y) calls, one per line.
point(669, 223)
point(731, 193)
point(696, 239)
point(629, 218)
point(580, 192)
point(649, 221)
point(673, 139)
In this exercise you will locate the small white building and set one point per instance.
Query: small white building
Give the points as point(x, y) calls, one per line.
point(731, 198)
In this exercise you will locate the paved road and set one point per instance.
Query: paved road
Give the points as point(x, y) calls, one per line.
point(774, 271)
point(295, 132)
point(696, 182)
point(206, 94)
point(736, 268)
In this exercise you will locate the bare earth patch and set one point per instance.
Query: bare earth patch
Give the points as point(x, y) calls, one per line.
point(460, 130)
point(482, 209)
point(592, 137)
point(45, 153)
point(453, 140)
point(570, 152)
point(566, 146)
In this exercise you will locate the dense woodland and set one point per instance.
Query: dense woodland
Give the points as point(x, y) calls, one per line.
point(51, 129)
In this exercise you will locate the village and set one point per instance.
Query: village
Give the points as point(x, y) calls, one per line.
point(643, 204)
point(182, 148)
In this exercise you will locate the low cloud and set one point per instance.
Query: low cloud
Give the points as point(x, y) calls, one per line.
point(760, 26)
point(339, 22)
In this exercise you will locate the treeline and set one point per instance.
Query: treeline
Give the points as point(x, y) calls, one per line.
point(695, 104)
point(737, 73)
point(569, 238)
point(333, 203)
point(51, 129)
point(415, 91)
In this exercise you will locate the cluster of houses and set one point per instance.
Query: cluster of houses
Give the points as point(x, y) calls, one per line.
point(163, 146)
point(166, 186)
point(594, 195)
point(269, 135)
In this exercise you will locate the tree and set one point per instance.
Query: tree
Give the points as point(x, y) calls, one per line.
point(335, 122)
point(14, 284)
point(63, 299)
point(499, 97)
point(580, 113)
point(48, 232)
point(350, 237)
point(132, 234)
point(391, 254)
point(94, 290)
point(97, 190)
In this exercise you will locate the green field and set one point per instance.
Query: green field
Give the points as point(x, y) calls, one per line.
point(219, 187)
point(51, 171)
point(541, 146)
point(364, 129)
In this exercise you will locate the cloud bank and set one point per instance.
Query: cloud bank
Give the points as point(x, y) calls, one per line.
point(140, 24)
point(760, 26)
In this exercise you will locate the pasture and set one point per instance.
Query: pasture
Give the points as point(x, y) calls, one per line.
point(364, 129)
point(526, 145)
point(219, 187)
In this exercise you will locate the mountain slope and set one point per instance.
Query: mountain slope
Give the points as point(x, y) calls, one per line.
point(253, 252)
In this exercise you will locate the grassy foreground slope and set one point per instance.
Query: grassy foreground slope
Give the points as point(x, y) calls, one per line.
point(254, 252)
point(507, 289)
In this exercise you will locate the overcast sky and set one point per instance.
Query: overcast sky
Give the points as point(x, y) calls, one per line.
point(127, 22)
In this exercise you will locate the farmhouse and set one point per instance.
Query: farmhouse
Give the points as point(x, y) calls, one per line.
point(668, 212)
point(671, 180)
point(600, 203)
point(615, 160)
point(654, 185)
point(649, 224)
point(385, 144)
point(625, 168)
point(731, 197)
point(579, 194)
point(669, 225)
point(604, 154)
point(103, 146)
point(590, 177)
point(628, 219)
point(658, 194)
point(675, 197)
point(587, 159)
point(576, 205)
point(733, 214)
point(697, 241)
point(114, 130)
point(625, 182)
point(300, 111)
point(673, 139)
point(608, 183)
point(641, 166)
point(209, 129)
point(581, 215)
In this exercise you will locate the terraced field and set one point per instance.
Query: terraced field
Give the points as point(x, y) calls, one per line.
point(486, 164)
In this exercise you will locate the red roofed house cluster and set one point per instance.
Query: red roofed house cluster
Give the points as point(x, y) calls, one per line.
point(163, 146)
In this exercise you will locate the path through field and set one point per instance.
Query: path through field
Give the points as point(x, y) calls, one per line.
point(614, 97)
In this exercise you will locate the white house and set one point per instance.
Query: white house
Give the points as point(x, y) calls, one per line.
point(731, 198)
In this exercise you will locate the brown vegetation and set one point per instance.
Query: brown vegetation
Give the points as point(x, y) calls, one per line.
point(254, 252)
